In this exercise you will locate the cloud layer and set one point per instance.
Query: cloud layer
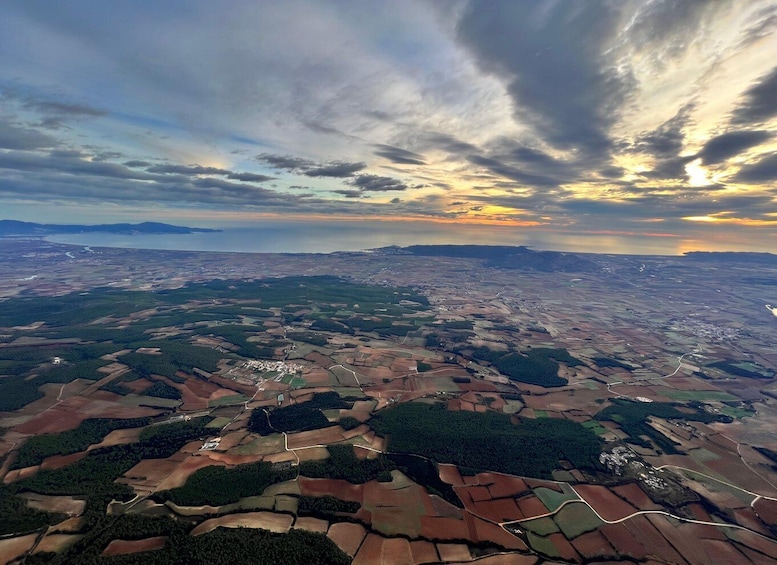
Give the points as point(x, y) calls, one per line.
point(560, 115)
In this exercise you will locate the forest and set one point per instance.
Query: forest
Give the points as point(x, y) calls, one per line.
point(37, 448)
point(217, 486)
point(487, 441)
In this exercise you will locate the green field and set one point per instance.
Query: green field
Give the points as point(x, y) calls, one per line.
point(231, 400)
point(699, 395)
point(552, 499)
point(576, 519)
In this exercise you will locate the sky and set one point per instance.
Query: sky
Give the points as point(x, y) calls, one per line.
point(635, 119)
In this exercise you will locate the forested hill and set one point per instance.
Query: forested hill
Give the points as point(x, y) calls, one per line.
point(508, 257)
point(13, 227)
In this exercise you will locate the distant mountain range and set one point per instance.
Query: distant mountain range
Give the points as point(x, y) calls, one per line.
point(15, 228)
point(505, 257)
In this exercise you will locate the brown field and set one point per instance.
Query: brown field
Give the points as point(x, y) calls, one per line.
point(766, 510)
point(635, 496)
point(347, 536)
point(450, 474)
point(644, 531)
point(501, 486)
point(563, 547)
point(435, 528)
point(150, 472)
point(482, 531)
point(370, 552)
point(311, 524)
point(332, 487)
point(423, 552)
point(454, 552)
point(58, 504)
point(278, 523)
point(531, 506)
point(593, 545)
point(123, 547)
point(118, 437)
point(58, 461)
point(12, 548)
point(623, 541)
point(607, 504)
point(500, 510)
point(323, 436)
point(180, 473)
point(19, 474)
point(444, 508)
point(56, 543)
point(508, 559)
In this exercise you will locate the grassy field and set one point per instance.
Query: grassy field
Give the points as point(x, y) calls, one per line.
point(228, 400)
point(700, 395)
point(552, 499)
point(576, 519)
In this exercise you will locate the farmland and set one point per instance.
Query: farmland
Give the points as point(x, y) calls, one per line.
point(401, 414)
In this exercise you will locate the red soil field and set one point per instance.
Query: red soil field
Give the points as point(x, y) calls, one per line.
point(531, 506)
point(563, 546)
point(508, 559)
point(450, 474)
point(371, 551)
point(535, 483)
point(476, 493)
point(221, 382)
point(635, 496)
point(483, 531)
point(323, 436)
point(593, 545)
point(685, 540)
point(423, 552)
point(766, 510)
point(396, 551)
point(311, 524)
point(123, 547)
point(320, 359)
point(332, 487)
point(747, 517)
point(608, 505)
point(182, 471)
point(501, 486)
point(473, 385)
point(642, 529)
point(623, 541)
point(443, 528)
point(59, 461)
point(441, 507)
point(347, 536)
point(501, 510)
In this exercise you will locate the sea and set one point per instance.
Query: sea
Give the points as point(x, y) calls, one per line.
point(329, 237)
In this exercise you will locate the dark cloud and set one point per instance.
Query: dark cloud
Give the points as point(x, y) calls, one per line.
point(375, 183)
point(25, 139)
point(335, 169)
point(759, 102)
point(399, 156)
point(731, 144)
point(186, 170)
point(553, 59)
point(249, 177)
point(285, 162)
point(297, 165)
point(447, 143)
point(64, 109)
point(506, 170)
point(395, 200)
point(764, 170)
point(670, 169)
point(137, 163)
point(349, 193)
point(665, 141)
